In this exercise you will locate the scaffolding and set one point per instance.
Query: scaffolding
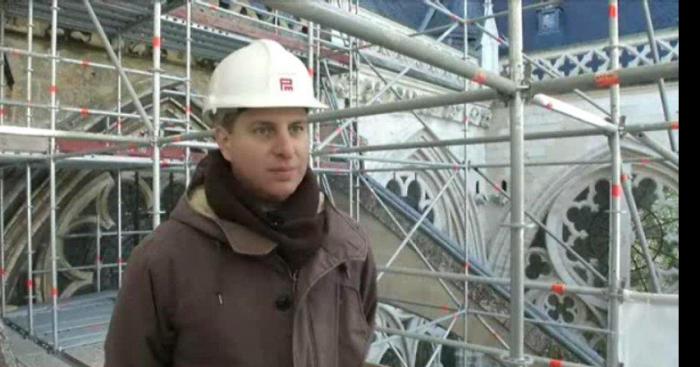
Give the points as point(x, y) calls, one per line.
point(310, 27)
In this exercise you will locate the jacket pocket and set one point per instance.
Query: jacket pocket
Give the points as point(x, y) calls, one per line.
point(353, 330)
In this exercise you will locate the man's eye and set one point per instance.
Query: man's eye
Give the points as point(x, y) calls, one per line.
point(297, 129)
point(262, 131)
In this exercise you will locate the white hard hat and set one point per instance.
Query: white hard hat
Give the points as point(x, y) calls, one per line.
point(262, 74)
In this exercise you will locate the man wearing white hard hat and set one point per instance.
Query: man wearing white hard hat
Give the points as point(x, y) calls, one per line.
point(253, 268)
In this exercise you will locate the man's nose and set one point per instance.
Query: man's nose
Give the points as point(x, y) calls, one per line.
point(284, 145)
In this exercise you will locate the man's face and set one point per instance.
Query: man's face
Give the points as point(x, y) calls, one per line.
point(268, 149)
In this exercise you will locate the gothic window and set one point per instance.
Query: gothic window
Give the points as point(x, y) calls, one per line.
point(390, 358)
point(536, 259)
point(78, 244)
point(394, 187)
point(424, 352)
point(411, 191)
point(582, 223)
point(658, 212)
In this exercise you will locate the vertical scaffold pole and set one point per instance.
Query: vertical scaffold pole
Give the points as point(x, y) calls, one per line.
point(120, 238)
point(157, 43)
point(30, 252)
point(52, 174)
point(2, 174)
point(517, 168)
point(188, 90)
point(465, 31)
point(614, 277)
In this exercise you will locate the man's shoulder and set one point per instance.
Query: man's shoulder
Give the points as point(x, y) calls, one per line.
point(346, 232)
point(166, 231)
point(164, 242)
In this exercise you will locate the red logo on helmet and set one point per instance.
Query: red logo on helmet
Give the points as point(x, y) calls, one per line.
point(286, 85)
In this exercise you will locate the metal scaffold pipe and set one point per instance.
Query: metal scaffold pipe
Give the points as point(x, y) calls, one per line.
point(52, 178)
point(517, 173)
point(188, 88)
point(637, 75)
point(465, 182)
point(3, 300)
point(117, 64)
point(615, 284)
point(330, 16)
point(496, 352)
point(157, 42)
point(539, 285)
point(28, 171)
point(661, 83)
point(574, 112)
point(501, 139)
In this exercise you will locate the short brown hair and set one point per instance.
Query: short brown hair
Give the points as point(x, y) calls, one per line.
point(225, 117)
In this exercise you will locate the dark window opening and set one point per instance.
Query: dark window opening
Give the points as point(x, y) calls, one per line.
point(549, 20)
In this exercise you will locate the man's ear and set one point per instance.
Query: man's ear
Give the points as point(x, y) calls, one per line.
point(222, 138)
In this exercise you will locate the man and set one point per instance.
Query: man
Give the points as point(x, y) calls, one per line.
point(254, 268)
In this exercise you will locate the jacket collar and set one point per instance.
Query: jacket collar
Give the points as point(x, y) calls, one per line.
point(194, 207)
point(344, 241)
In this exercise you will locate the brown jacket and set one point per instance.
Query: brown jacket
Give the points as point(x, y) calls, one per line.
point(202, 291)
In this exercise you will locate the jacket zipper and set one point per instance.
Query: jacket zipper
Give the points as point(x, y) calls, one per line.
point(295, 276)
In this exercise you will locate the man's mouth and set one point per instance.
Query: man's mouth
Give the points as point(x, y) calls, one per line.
point(282, 169)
